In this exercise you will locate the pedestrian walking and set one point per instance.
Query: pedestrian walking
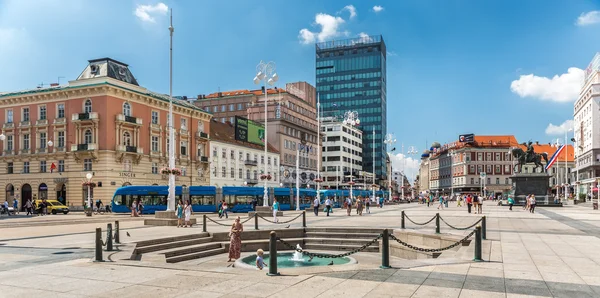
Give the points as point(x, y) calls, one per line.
point(16, 206)
point(511, 202)
point(275, 210)
point(5, 207)
point(441, 200)
point(327, 206)
point(532, 204)
point(458, 201)
point(220, 209)
point(225, 209)
point(187, 211)
point(316, 204)
point(469, 202)
point(348, 205)
point(29, 207)
point(476, 203)
point(235, 238)
point(179, 214)
point(480, 205)
point(359, 206)
point(368, 205)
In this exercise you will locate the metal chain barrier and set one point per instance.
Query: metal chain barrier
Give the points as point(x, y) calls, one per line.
point(461, 228)
point(280, 222)
point(419, 224)
point(432, 249)
point(329, 256)
point(229, 224)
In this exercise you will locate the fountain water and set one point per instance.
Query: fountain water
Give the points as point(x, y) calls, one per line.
point(297, 257)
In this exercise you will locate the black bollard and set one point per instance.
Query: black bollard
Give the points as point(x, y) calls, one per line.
point(385, 250)
point(117, 231)
point(437, 223)
point(304, 219)
point(109, 237)
point(99, 245)
point(477, 257)
point(402, 220)
point(256, 221)
point(204, 223)
point(273, 254)
point(483, 228)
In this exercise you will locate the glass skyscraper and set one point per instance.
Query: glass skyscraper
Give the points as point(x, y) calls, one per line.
point(351, 76)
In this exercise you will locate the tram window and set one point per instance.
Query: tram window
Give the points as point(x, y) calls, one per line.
point(283, 199)
point(202, 200)
point(237, 200)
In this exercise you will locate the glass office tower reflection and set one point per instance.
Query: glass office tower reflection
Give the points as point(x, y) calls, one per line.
point(351, 76)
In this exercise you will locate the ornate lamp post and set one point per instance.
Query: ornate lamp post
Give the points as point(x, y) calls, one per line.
point(171, 200)
point(390, 140)
point(89, 185)
point(556, 144)
point(265, 72)
point(351, 119)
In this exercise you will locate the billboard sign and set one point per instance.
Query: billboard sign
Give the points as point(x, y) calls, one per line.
point(249, 131)
point(466, 138)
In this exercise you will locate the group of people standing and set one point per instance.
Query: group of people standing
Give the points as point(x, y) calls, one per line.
point(137, 207)
point(184, 213)
point(360, 204)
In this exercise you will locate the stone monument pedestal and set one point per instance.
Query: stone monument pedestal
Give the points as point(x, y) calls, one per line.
point(164, 218)
point(264, 211)
point(524, 184)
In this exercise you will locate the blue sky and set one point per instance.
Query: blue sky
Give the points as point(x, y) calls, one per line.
point(450, 63)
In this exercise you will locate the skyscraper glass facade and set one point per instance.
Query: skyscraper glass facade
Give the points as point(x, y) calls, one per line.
point(351, 76)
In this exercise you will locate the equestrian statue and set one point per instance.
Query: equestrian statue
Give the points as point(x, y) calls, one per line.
point(529, 156)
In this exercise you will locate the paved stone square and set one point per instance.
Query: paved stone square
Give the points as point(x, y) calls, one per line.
point(554, 252)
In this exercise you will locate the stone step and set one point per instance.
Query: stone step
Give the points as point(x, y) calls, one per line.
point(336, 247)
point(338, 241)
point(340, 235)
point(344, 230)
point(197, 255)
point(170, 239)
point(191, 249)
point(171, 245)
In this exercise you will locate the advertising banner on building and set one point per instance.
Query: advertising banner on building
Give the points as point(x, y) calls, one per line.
point(249, 131)
point(466, 138)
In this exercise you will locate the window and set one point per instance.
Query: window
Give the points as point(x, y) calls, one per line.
point(154, 117)
point(241, 173)
point(497, 180)
point(231, 107)
point(87, 106)
point(275, 161)
point(154, 168)
point(223, 174)
point(232, 173)
point(126, 138)
point(183, 171)
point(25, 114)
point(262, 159)
point(26, 141)
point(9, 142)
point(183, 148)
point(9, 168)
point(224, 153)
point(26, 167)
point(214, 152)
point(154, 143)
point(239, 107)
point(87, 164)
point(472, 181)
point(61, 166)
point(223, 110)
point(479, 156)
point(255, 174)
point(43, 166)
point(126, 109)
point(61, 139)
point(9, 116)
point(215, 171)
point(241, 155)
point(268, 160)
point(247, 174)
point(232, 154)
point(489, 180)
point(87, 137)
point(60, 110)
point(42, 140)
point(183, 123)
point(42, 112)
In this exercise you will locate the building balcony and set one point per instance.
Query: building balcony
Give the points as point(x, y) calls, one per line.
point(202, 159)
point(130, 149)
point(25, 151)
point(10, 125)
point(42, 150)
point(9, 152)
point(25, 124)
point(252, 181)
point(41, 122)
point(62, 120)
point(83, 117)
point(250, 162)
point(129, 119)
point(201, 135)
point(60, 149)
point(84, 147)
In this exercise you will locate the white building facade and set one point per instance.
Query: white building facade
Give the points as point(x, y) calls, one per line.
point(342, 155)
point(587, 129)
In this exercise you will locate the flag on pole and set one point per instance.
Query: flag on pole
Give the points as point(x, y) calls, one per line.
point(554, 157)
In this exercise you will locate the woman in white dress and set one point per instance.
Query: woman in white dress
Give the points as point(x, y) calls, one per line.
point(188, 213)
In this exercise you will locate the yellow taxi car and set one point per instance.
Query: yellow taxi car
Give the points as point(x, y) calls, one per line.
point(54, 206)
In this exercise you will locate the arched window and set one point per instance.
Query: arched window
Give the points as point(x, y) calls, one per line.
point(87, 136)
point(126, 109)
point(126, 139)
point(87, 106)
point(247, 174)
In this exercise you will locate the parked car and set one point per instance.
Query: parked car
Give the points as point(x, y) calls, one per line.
point(54, 206)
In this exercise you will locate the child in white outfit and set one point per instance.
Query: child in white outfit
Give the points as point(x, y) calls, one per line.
point(260, 263)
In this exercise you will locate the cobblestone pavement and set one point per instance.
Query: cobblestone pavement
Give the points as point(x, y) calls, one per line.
point(552, 253)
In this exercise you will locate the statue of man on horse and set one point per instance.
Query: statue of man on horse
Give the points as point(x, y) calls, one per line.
point(529, 156)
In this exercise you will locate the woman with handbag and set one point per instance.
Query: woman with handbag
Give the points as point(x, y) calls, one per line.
point(235, 239)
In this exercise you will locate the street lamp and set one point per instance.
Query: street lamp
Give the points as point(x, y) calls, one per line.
point(556, 144)
point(171, 199)
point(265, 72)
point(482, 176)
point(576, 168)
point(390, 140)
point(89, 177)
point(351, 119)
point(412, 150)
point(452, 154)
point(566, 166)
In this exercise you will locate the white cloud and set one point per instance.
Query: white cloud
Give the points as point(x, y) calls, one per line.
point(559, 130)
point(364, 37)
point(411, 165)
point(377, 8)
point(351, 9)
point(329, 28)
point(589, 18)
point(146, 13)
point(561, 88)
